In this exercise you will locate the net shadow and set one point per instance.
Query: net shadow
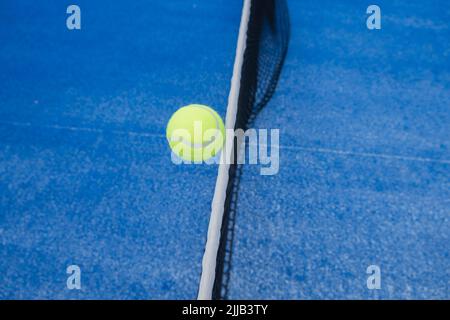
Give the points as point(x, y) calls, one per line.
point(267, 43)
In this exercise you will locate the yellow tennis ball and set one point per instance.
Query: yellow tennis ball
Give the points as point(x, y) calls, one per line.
point(195, 133)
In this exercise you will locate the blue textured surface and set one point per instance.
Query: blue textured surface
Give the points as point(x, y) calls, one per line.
point(85, 171)
point(365, 160)
point(86, 176)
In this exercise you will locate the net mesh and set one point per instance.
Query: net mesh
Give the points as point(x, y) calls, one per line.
point(266, 48)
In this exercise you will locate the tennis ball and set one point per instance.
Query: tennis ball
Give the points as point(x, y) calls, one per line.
point(195, 133)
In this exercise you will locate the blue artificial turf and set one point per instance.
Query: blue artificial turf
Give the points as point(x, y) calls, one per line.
point(364, 161)
point(86, 176)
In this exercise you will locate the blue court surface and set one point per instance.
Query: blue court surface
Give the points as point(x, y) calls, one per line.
point(86, 176)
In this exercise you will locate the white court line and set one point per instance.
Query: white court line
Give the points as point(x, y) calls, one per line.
point(365, 154)
point(84, 129)
point(297, 148)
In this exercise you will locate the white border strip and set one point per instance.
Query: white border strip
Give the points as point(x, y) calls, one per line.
point(218, 202)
